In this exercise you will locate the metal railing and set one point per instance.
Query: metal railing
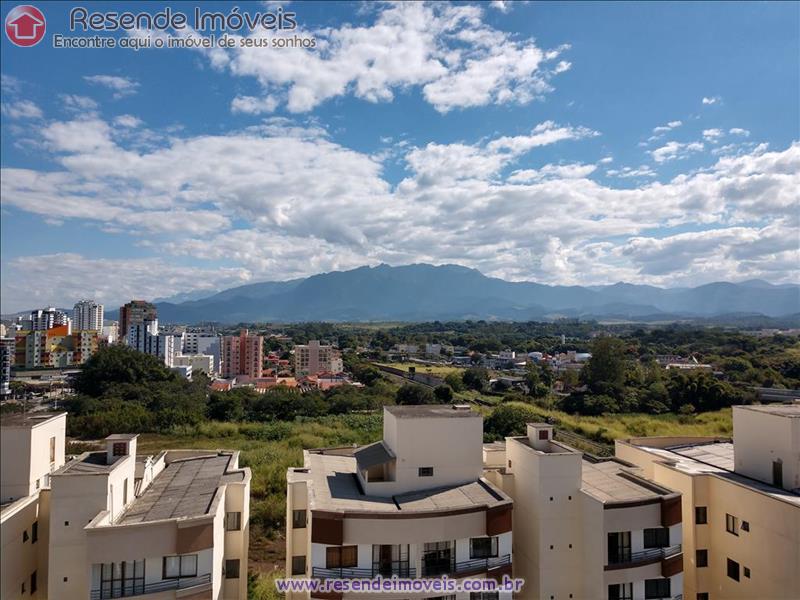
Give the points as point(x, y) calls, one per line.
point(128, 590)
point(400, 570)
point(475, 565)
point(648, 555)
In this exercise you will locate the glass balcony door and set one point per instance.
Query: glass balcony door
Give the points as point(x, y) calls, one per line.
point(438, 558)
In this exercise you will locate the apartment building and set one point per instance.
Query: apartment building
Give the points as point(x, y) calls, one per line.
point(144, 337)
point(7, 353)
point(32, 448)
point(313, 358)
point(196, 362)
point(135, 312)
point(202, 343)
point(414, 504)
point(47, 318)
point(589, 528)
point(740, 502)
point(175, 525)
point(54, 347)
point(88, 315)
point(242, 355)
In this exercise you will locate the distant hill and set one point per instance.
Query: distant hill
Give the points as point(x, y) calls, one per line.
point(426, 292)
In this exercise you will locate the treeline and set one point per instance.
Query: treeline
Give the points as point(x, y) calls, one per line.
point(121, 390)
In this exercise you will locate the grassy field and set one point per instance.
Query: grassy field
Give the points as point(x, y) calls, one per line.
point(270, 448)
point(436, 370)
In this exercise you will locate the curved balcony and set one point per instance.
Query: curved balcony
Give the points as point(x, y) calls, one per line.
point(429, 569)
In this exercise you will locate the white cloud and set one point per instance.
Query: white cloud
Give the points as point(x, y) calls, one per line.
point(675, 150)
point(282, 199)
point(708, 100)
point(668, 127)
point(121, 86)
point(21, 109)
point(253, 106)
point(78, 104)
point(128, 121)
point(713, 135)
point(502, 5)
point(446, 50)
point(739, 131)
point(606, 160)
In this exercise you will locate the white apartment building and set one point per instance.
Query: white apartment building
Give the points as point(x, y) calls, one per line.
point(175, 525)
point(87, 315)
point(47, 318)
point(31, 448)
point(145, 337)
point(197, 362)
point(315, 358)
point(414, 505)
point(740, 502)
point(110, 524)
point(588, 528)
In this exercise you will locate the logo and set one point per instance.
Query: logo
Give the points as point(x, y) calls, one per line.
point(25, 25)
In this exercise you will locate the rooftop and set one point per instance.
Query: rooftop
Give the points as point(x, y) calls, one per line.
point(185, 488)
point(28, 419)
point(335, 487)
point(614, 481)
point(782, 410)
point(87, 463)
point(427, 411)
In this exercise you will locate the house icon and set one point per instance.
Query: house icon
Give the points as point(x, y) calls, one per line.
point(25, 25)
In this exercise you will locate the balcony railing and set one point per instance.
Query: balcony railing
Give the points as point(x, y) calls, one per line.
point(476, 565)
point(431, 569)
point(399, 569)
point(128, 590)
point(648, 555)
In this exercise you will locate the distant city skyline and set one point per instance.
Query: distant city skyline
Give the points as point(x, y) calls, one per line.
point(559, 143)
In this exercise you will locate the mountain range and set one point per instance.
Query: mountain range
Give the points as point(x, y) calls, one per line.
point(423, 292)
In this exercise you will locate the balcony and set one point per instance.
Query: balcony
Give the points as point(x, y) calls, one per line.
point(397, 569)
point(628, 560)
point(438, 568)
point(126, 589)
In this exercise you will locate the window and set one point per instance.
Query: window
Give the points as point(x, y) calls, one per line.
point(483, 547)
point(66, 523)
point(180, 566)
point(731, 524)
point(702, 595)
point(125, 492)
point(119, 449)
point(121, 579)
point(233, 521)
point(543, 434)
point(701, 558)
point(52, 449)
point(33, 582)
point(35, 532)
point(24, 535)
point(426, 471)
point(747, 572)
point(733, 569)
point(232, 568)
point(777, 473)
point(657, 588)
point(745, 526)
point(620, 591)
point(619, 547)
point(657, 537)
point(339, 557)
point(298, 565)
point(299, 519)
point(700, 515)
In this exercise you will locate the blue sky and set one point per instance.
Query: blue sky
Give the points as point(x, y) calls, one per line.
point(575, 143)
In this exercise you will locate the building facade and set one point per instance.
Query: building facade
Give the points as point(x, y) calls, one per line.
point(242, 355)
point(55, 347)
point(135, 312)
point(144, 337)
point(313, 358)
point(32, 449)
point(740, 502)
point(47, 318)
point(7, 355)
point(593, 528)
point(87, 315)
point(413, 505)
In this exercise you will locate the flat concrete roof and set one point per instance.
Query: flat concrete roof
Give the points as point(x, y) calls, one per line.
point(718, 454)
point(31, 419)
point(185, 488)
point(335, 487)
point(782, 410)
point(612, 481)
point(426, 411)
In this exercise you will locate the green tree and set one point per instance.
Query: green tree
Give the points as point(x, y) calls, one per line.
point(454, 381)
point(476, 378)
point(510, 418)
point(606, 370)
point(118, 364)
point(443, 393)
point(415, 394)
